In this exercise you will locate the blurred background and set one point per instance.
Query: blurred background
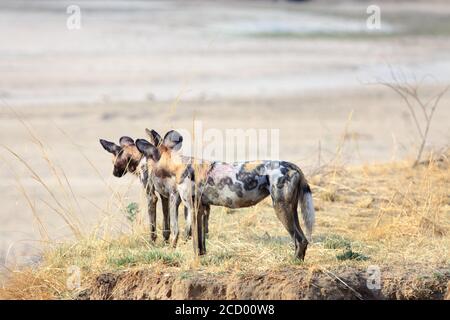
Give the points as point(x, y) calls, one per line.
point(307, 68)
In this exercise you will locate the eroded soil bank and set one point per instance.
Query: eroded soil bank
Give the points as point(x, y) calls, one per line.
point(292, 283)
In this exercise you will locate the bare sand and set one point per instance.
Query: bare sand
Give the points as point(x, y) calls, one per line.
point(304, 69)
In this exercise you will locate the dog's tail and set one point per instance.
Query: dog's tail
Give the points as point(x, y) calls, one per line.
point(306, 203)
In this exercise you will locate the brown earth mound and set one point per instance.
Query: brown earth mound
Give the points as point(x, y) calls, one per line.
point(286, 284)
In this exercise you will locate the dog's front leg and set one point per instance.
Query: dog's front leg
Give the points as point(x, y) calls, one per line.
point(198, 214)
point(207, 211)
point(201, 226)
point(166, 218)
point(195, 212)
point(188, 223)
point(174, 203)
point(152, 200)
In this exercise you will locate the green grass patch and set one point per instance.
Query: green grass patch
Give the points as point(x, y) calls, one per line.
point(336, 242)
point(132, 258)
point(216, 258)
point(124, 261)
point(131, 211)
point(349, 254)
point(172, 259)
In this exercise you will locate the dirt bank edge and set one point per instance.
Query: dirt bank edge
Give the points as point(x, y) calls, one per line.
point(291, 284)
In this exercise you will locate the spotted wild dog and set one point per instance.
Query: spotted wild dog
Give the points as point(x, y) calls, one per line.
point(166, 185)
point(127, 158)
point(234, 185)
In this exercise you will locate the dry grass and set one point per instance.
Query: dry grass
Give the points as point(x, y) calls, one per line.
point(389, 215)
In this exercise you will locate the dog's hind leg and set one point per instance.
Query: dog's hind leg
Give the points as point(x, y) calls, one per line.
point(285, 202)
point(288, 216)
point(300, 240)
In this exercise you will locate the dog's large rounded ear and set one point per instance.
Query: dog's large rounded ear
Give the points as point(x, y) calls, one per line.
point(173, 140)
point(111, 147)
point(154, 136)
point(126, 141)
point(147, 149)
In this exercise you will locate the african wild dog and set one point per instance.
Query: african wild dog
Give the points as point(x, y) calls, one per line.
point(127, 158)
point(234, 185)
point(166, 185)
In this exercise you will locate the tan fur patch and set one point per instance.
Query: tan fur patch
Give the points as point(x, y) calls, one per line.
point(174, 165)
point(250, 166)
point(133, 152)
point(128, 158)
point(201, 170)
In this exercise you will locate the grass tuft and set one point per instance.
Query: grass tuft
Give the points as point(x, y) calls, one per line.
point(336, 242)
point(172, 259)
point(217, 259)
point(349, 254)
point(131, 211)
